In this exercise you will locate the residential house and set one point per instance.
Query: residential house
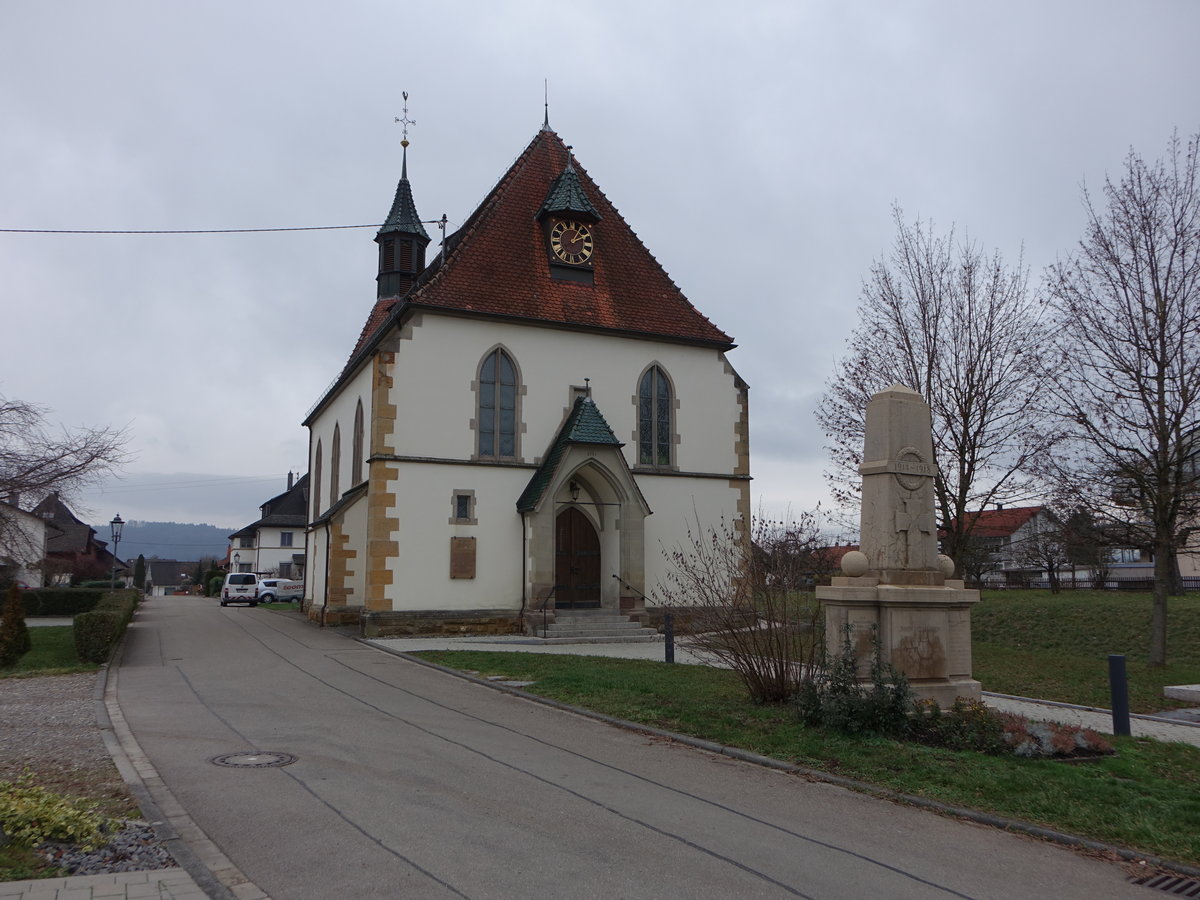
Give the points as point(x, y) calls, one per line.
point(274, 544)
point(73, 552)
point(168, 576)
point(529, 420)
point(22, 546)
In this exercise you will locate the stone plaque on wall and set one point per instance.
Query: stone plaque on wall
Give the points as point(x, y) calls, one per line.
point(462, 557)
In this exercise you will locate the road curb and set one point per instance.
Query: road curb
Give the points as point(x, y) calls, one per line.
point(972, 815)
point(123, 747)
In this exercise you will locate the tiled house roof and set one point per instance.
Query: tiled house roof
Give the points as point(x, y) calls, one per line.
point(283, 510)
point(496, 264)
point(1000, 522)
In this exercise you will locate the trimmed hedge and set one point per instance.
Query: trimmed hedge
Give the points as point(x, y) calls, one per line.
point(60, 601)
point(97, 631)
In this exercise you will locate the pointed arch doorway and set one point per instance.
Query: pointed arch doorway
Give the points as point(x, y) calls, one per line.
point(576, 561)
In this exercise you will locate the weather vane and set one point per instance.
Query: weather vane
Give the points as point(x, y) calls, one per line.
point(406, 121)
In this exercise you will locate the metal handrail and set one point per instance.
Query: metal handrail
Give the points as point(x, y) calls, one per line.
point(545, 606)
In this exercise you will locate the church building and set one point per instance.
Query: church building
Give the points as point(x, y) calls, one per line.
point(531, 418)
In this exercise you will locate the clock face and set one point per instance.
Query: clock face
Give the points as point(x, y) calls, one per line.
point(571, 242)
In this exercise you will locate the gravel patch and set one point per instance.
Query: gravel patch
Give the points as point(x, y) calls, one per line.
point(48, 727)
point(135, 848)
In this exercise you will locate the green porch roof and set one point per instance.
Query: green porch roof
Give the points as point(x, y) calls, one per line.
point(584, 425)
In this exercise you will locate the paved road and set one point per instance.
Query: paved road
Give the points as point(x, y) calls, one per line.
point(412, 783)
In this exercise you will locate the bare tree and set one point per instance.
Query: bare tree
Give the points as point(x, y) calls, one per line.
point(749, 604)
point(1044, 547)
point(960, 327)
point(1127, 378)
point(35, 460)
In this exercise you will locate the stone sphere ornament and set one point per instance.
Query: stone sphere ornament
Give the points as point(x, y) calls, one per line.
point(946, 564)
point(855, 563)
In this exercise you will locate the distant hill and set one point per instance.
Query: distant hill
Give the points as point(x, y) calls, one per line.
point(168, 540)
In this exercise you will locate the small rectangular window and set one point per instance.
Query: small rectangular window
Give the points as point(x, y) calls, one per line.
point(246, 542)
point(285, 539)
point(462, 508)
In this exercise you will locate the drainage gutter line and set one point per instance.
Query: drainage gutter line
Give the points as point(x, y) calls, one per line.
point(972, 815)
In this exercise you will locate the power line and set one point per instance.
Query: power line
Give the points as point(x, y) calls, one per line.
point(246, 480)
point(198, 230)
point(181, 230)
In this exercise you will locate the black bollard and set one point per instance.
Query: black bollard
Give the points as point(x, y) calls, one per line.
point(669, 634)
point(1119, 686)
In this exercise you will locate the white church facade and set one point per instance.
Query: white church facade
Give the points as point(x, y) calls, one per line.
point(528, 421)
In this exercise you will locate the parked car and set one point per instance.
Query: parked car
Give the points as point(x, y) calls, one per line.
point(240, 587)
point(283, 589)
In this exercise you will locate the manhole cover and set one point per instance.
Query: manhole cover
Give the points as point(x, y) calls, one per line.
point(254, 759)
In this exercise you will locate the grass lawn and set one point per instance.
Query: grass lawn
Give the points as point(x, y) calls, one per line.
point(1056, 646)
point(52, 653)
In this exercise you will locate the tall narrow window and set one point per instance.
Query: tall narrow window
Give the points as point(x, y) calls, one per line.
point(654, 419)
point(316, 481)
point(356, 464)
point(335, 463)
point(497, 418)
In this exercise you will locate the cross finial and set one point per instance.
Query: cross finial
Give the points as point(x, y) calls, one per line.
point(406, 121)
point(546, 92)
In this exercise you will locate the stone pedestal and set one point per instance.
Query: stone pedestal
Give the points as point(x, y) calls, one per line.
point(897, 586)
point(924, 631)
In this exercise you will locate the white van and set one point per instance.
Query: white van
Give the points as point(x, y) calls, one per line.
point(240, 587)
point(282, 589)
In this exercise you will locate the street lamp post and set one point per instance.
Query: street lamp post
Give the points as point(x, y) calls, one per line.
point(116, 525)
point(237, 558)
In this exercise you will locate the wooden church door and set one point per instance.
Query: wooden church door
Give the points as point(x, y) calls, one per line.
point(576, 562)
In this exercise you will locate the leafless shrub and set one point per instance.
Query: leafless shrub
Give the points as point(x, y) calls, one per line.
point(745, 599)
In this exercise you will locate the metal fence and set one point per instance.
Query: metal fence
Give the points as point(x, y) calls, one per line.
point(1190, 583)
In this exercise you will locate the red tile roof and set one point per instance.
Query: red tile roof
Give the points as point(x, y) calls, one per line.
point(1000, 522)
point(497, 265)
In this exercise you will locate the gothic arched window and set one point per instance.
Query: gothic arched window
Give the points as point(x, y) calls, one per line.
point(316, 482)
point(356, 464)
point(335, 463)
point(654, 418)
point(496, 415)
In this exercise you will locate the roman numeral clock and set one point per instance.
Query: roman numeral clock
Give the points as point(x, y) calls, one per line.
point(571, 241)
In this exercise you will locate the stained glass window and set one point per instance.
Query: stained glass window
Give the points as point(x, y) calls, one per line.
point(497, 419)
point(654, 419)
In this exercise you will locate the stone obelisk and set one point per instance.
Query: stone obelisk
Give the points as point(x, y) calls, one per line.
point(897, 588)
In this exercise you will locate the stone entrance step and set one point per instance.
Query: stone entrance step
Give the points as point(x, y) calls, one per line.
point(594, 627)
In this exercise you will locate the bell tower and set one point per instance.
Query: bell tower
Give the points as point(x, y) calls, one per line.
point(402, 239)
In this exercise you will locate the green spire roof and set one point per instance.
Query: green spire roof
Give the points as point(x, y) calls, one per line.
point(403, 217)
point(567, 196)
point(584, 425)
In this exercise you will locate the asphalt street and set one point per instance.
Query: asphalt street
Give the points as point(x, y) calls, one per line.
point(408, 782)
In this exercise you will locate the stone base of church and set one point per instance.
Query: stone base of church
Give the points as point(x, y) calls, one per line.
point(924, 631)
point(331, 615)
point(438, 623)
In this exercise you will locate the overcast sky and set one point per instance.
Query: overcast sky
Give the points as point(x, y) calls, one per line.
point(756, 148)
